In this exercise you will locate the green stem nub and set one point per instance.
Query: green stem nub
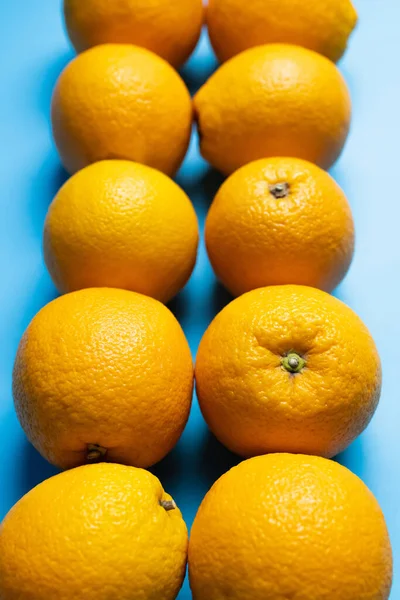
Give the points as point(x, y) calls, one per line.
point(168, 505)
point(95, 453)
point(293, 362)
point(279, 190)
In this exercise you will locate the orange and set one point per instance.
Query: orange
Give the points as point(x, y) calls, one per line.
point(287, 369)
point(121, 101)
point(170, 29)
point(280, 220)
point(273, 100)
point(290, 526)
point(103, 374)
point(94, 533)
point(320, 25)
point(121, 224)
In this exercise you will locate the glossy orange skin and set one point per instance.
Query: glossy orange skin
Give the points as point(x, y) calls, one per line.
point(103, 367)
point(169, 29)
point(290, 526)
point(273, 100)
point(121, 101)
point(254, 405)
point(121, 224)
point(255, 238)
point(320, 25)
point(93, 533)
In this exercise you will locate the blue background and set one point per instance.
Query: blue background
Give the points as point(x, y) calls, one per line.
point(33, 50)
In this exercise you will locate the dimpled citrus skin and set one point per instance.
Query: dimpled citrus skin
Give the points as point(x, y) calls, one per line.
point(257, 235)
point(254, 405)
point(273, 100)
point(103, 367)
point(170, 29)
point(282, 527)
point(320, 25)
point(94, 533)
point(121, 224)
point(121, 101)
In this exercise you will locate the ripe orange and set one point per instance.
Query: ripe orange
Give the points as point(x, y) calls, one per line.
point(273, 100)
point(287, 369)
point(121, 224)
point(121, 101)
point(94, 533)
point(170, 29)
point(103, 374)
point(277, 221)
point(321, 25)
point(289, 526)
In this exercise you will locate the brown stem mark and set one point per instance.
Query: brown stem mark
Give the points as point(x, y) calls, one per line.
point(168, 505)
point(95, 452)
point(279, 190)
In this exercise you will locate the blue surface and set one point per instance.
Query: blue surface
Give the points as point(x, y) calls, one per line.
point(34, 50)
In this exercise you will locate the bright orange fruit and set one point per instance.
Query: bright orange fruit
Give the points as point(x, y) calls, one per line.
point(170, 29)
point(103, 374)
point(277, 221)
point(287, 369)
point(289, 526)
point(121, 224)
point(320, 25)
point(273, 100)
point(94, 533)
point(121, 101)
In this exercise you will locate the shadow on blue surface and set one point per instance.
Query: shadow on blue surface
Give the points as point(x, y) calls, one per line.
point(47, 81)
point(179, 307)
point(351, 80)
point(355, 458)
point(34, 469)
point(200, 66)
point(195, 79)
point(211, 460)
point(211, 183)
point(43, 187)
point(170, 470)
point(201, 189)
point(220, 297)
point(342, 177)
point(341, 293)
point(216, 459)
point(41, 294)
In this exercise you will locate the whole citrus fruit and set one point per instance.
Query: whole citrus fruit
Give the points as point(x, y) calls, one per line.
point(103, 374)
point(287, 369)
point(121, 224)
point(273, 100)
point(170, 29)
point(277, 221)
point(94, 533)
point(121, 101)
point(290, 526)
point(319, 25)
